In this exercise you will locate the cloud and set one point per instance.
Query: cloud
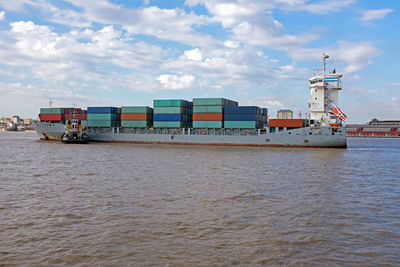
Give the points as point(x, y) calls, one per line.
point(369, 15)
point(356, 55)
point(15, 5)
point(175, 82)
point(194, 55)
point(234, 9)
point(2, 15)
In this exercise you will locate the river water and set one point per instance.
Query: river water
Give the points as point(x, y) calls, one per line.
point(162, 205)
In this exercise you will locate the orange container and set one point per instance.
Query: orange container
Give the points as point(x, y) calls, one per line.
point(208, 117)
point(292, 123)
point(134, 117)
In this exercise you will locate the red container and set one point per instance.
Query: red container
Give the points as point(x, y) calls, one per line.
point(52, 117)
point(135, 117)
point(208, 117)
point(82, 117)
point(291, 123)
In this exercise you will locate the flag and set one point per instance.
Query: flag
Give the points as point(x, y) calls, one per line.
point(326, 56)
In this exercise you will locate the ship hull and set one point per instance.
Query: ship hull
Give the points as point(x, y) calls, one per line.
point(323, 137)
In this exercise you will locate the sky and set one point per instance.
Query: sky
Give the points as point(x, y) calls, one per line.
point(127, 52)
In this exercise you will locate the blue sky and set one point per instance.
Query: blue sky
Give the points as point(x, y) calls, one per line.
point(120, 52)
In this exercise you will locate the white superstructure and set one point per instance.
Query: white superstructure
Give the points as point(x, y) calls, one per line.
point(323, 102)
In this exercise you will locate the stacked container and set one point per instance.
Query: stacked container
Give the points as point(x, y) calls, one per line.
point(244, 117)
point(172, 113)
point(103, 117)
point(136, 117)
point(77, 114)
point(53, 114)
point(264, 117)
point(209, 112)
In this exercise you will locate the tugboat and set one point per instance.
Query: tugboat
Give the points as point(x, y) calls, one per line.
point(74, 133)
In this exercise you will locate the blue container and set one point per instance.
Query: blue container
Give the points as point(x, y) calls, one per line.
point(241, 117)
point(168, 117)
point(102, 110)
point(243, 109)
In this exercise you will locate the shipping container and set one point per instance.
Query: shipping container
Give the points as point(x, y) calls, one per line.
point(170, 117)
point(264, 111)
point(136, 117)
point(291, 123)
point(170, 124)
point(242, 124)
point(242, 110)
point(241, 117)
point(169, 110)
point(136, 124)
point(207, 117)
point(105, 123)
point(102, 117)
point(72, 111)
point(136, 109)
point(208, 109)
point(76, 116)
point(104, 110)
point(170, 103)
point(49, 111)
point(207, 124)
point(52, 117)
point(213, 102)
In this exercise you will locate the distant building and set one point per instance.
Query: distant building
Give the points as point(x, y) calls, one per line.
point(16, 119)
point(284, 114)
point(374, 128)
point(27, 121)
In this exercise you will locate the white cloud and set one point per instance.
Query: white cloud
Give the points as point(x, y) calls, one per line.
point(234, 9)
point(369, 15)
point(356, 55)
point(231, 44)
point(193, 54)
point(2, 15)
point(270, 35)
point(175, 82)
point(15, 5)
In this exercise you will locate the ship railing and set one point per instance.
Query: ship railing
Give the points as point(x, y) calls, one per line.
point(186, 131)
point(178, 131)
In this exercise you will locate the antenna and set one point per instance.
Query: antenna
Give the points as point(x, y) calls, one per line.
point(50, 102)
point(324, 57)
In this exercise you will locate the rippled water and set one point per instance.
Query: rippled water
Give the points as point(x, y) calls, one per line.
point(111, 204)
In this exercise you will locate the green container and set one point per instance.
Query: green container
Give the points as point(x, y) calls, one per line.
point(48, 111)
point(136, 124)
point(137, 110)
point(207, 124)
point(208, 109)
point(169, 110)
point(242, 124)
point(102, 117)
point(105, 123)
point(170, 103)
point(213, 102)
point(170, 124)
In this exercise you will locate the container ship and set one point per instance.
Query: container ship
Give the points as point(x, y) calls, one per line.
point(209, 121)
